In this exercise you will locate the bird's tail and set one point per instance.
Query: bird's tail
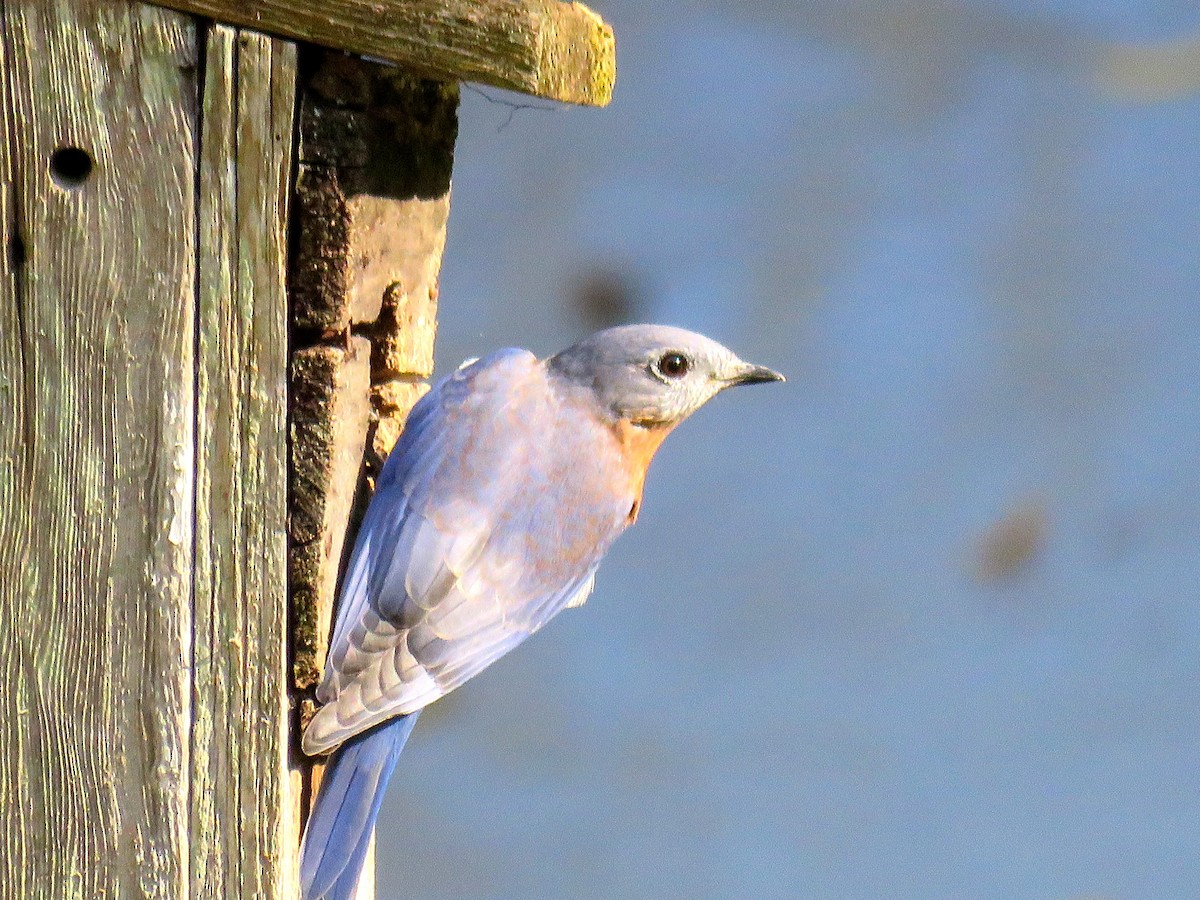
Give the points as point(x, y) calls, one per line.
point(339, 827)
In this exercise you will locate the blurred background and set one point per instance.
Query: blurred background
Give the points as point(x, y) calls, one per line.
point(924, 621)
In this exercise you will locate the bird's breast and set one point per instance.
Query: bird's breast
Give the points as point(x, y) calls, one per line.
point(637, 445)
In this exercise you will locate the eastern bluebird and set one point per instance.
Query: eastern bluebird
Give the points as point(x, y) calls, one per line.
point(511, 480)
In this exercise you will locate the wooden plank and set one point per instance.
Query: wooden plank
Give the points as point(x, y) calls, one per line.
point(357, 250)
point(376, 151)
point(373, 199)
point(97, 317)
point(330, 415)
point(560, 51)
point(17, 845)
point(245, 812)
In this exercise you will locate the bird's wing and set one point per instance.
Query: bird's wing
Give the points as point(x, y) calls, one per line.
point(483, 526)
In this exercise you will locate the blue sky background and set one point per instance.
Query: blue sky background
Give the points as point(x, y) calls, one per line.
point(924, 621)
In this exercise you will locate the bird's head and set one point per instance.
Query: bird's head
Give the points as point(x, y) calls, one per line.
point(654, 376)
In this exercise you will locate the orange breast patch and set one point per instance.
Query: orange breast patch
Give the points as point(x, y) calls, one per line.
point(638, 446)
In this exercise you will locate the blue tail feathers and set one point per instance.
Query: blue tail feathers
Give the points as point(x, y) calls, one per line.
point(339, 828)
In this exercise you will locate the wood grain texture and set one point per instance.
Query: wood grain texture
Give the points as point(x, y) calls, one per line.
point(245, 812)
point(96, 360)
point(560, 51)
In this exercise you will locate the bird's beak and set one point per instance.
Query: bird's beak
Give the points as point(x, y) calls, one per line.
point(748, 374)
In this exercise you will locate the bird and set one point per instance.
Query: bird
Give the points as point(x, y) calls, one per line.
point(510, 481)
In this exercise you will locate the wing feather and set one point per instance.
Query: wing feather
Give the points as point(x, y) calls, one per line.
point(474, 540)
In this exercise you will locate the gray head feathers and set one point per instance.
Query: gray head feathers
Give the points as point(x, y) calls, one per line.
point(653, 375)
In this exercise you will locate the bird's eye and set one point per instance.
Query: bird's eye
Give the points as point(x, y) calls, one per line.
point(673, 365)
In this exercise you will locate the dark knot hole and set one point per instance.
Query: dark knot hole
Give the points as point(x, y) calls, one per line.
point(70, 167)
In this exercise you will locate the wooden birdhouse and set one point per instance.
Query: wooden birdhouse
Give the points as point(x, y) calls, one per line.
point(221, 227)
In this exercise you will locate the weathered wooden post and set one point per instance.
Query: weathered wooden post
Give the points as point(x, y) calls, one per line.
point(218, 292)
